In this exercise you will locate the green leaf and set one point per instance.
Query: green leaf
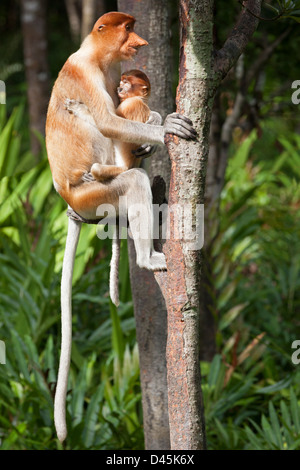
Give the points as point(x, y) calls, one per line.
point(231, 315)
point(241, 155)
point(275, 425)
point(117, 334)
point(79, 391)
point(268, 431)
point(227, 293)
point(276, 387)
point(92, 416)
point(254, 440)
point(222, 276)
point(40, 191)
point(214, 370)
point(292, 17)
point(5, 141)
point(295, 411)
point(271, 7)
point(19, 355)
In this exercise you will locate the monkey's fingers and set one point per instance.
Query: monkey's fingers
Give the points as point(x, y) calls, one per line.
point(72, 106)
point(183, 117)
point(68, 104)
point(176, 128)
point(145, 151)
point(182, 132)
point(183, 121)
point(180, 125)
point(87, 178)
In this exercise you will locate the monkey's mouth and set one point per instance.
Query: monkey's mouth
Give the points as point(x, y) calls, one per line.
point(134, 49)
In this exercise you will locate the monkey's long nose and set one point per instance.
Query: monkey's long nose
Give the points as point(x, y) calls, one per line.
point(139, 42)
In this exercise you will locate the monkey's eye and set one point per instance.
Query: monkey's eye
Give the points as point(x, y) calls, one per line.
point(100, 27)
point(128, 27)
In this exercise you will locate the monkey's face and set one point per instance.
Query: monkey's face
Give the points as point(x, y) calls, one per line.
point(131, 43)
point(132, 85)
point(115, 34)
point(124, 89)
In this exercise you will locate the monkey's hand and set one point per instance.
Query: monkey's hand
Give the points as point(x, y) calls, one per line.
point(75, 107)
point(79, 110)
point(179, 125)
point(145, 151)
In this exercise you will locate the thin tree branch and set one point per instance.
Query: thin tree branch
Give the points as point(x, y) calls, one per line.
point(237, 41)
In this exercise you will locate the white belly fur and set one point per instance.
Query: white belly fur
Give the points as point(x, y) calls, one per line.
point(119, 161)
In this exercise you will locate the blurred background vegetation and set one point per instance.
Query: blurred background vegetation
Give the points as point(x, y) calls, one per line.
point(251, 387)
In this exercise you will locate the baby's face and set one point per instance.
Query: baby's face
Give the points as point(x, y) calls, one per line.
point(123, 88)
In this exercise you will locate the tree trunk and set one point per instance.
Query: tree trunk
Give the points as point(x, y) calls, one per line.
point(33, 19)
point(199, 79)
point(149, 306)
point(180, 284)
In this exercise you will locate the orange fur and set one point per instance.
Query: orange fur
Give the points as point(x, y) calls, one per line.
point(90, 76)
point(133, 106)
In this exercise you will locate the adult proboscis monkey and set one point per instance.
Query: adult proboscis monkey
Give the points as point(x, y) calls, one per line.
point(91, 76)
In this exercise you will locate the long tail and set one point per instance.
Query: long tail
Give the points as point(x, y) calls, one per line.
point(66, 329)
point(114, 268)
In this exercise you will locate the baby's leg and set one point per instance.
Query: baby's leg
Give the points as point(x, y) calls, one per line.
point(105, 172)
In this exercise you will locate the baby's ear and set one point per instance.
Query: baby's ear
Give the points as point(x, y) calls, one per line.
point(145, 90)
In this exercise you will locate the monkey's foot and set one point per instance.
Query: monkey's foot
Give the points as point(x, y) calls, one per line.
point(156, 262)
point(88, 177)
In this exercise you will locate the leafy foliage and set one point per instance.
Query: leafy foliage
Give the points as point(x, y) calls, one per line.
point(104, 398)
point(256, 275)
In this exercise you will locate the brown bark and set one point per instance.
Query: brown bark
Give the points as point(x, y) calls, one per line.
point(237, 40)
point(152, 23)
point(180, 284)
point(33, 19)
